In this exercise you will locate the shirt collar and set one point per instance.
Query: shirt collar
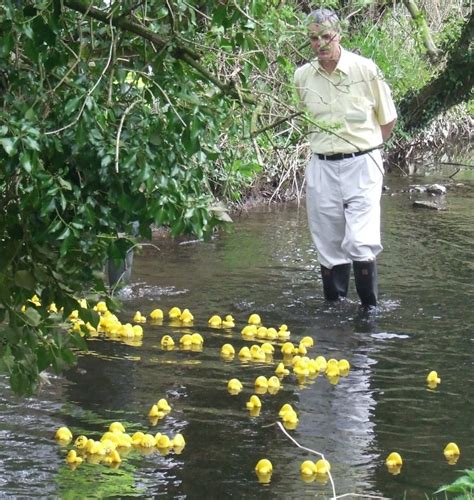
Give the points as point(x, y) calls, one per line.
point(342, 64)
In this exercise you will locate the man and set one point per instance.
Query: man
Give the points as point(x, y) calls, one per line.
point(353, 114)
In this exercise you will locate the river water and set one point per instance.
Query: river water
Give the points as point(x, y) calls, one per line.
point(266, 264)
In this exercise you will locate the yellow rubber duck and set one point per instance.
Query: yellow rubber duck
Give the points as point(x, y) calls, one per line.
point(281, 371)
point(307, 342)
point(95, 447)
point(109, 445)
point(73, 315)
point(254, 402)
point(308, 468)
point(244, 353)
point(228, 322)
point(107, 436)
point(148, 441)
point(163, 405)
point(156, 314)
point(124, 441)
point(283, 332)
point(63, 434)
point(272, 334)
point(332, 363)
point(433, 378)
point(264, 469)
point(295, 359)
point(174, 313)
point(186, 317)
point(301, 367)
point(227, 350)
point(81, 442)
point(178, 441)
point(155, 412)
point(257, 353)
point(261, 332)
point(274, 382)
point(215, 321)
point(116, 427)
point(137, 331)
point(301, 349)
point(451, 453)
point(322, 466)
point(126, 331)
point(73, 458)
point(167, 342)
point(290, 417)
point(52, 308)
point(186, 340)
point(254, 319)
point(137, 438)
point(288, 349)
point(284, 409)
point(163, 441)
point(344, 367)
point(139, 318)
point(234, 386)
point(394, 460)
point(313, 368)
point(264, 466)
point(249, 331)
point(114, 457)
point(35, 300)
point(267, 348)
point(101, 307)
point(261, 381)
point(196, 339)
point(332, 371)
point(320, 363)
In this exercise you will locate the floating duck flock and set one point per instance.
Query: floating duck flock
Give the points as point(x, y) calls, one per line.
point(115, 442)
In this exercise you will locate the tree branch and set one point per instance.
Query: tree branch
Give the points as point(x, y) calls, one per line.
point(180, 51)
point(425, 34)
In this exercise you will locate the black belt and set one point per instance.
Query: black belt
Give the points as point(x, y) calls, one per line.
point(343, 156)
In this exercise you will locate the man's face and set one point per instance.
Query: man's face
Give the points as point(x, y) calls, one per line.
point(324, 42)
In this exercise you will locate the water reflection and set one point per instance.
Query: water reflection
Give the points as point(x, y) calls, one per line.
point(267, 265)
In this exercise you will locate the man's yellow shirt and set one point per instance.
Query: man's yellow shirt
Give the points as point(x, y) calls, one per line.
point(351, 104)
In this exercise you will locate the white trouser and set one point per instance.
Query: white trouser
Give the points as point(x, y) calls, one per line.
point(343, 205)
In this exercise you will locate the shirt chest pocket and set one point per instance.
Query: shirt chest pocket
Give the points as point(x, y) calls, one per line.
point(355, 109)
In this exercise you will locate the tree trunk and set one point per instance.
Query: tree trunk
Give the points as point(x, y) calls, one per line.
point(452, 86)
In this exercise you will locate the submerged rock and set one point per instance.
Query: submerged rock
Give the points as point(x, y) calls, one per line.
point(436, 189)
point(428, 204)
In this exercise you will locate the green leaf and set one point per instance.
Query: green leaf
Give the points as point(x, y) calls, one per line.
point(8, 144)
point(24, 279)
point(7, 42)
point(33, 317)
point(25, 161)
point(72, 105)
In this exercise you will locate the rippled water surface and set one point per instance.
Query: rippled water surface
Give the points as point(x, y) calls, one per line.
point(267, 265)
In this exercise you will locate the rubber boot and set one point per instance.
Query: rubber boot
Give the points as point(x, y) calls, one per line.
point(365, 274)
point(336, 281)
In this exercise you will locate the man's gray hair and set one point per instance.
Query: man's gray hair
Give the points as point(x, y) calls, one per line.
point(324, 16)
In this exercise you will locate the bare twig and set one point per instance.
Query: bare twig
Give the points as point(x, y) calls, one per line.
point(117, 142)
point(90, 91)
